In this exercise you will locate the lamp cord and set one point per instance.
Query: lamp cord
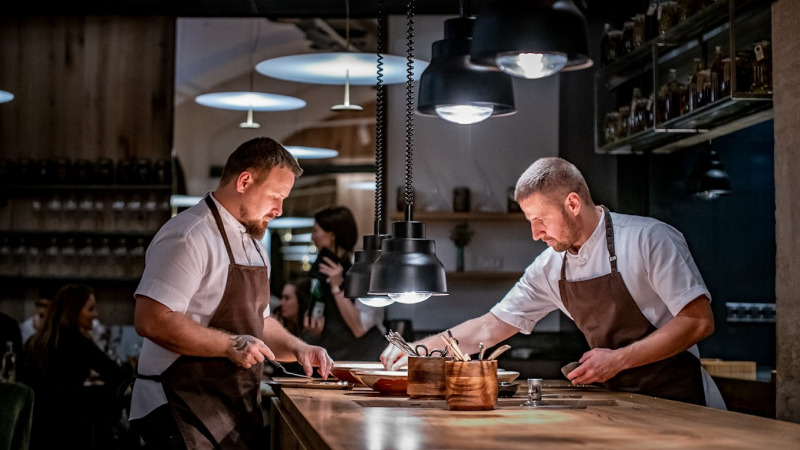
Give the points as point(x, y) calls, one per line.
point(380, 117)
point(409, 194)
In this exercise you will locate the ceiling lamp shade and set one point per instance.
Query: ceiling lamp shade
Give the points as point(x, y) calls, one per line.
point(303, 152)
point(335, 67)
point(407, 269)
point(356, 282)
point(244, 101)
point(708, 179)
point(250, 101)
point(458, 91)
point(531, 39)
point(6, 96)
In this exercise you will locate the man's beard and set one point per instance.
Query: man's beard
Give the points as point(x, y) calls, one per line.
point(255, 228)
point(572, 233)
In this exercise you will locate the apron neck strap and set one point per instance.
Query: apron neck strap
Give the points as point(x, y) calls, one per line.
point(218, 219)
point(612, 256)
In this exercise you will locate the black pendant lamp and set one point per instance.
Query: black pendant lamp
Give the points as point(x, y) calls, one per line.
point(708, 179)
point(407, 269)
point(356, 281)
point(531, 39)
point(456, 90)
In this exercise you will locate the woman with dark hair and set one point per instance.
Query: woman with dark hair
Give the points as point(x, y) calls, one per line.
point(75, 384)
point(349, 330)
point(293, 305)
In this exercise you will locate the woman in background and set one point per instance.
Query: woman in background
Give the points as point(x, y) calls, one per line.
point(349, 330)
point(293, 305)
point(75, 384)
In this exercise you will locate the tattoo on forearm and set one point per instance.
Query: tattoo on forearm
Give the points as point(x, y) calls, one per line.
point(241, 341)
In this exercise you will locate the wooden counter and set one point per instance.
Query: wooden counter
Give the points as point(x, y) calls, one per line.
point(362, 419)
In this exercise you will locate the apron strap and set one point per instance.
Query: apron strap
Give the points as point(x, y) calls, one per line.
point(221, 227)
point(612, 256)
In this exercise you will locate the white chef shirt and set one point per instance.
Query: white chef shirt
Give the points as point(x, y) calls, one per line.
point(652, 257)
point(186, 269)
point(655, 264)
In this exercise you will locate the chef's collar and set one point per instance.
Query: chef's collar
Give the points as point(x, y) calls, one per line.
point(227, 217)
point(597, 237)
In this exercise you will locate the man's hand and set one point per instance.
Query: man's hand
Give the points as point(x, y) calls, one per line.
point(246, 351)
point(310, 356)
point(597, 366)
point(393, 358)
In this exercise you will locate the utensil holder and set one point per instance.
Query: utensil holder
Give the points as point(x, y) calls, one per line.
point(471, 385)
point(426, 377)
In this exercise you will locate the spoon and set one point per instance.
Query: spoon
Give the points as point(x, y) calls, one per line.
point(280, 366)
point(498, 351)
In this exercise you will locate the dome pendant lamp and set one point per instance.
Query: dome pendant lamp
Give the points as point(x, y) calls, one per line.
point(357, 278)
point(407, 269)
point(708, 180)
point(456, 90)
point(531, 39)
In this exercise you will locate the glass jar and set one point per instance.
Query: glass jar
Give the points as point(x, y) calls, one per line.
point(761, 82)
point(668, 16)
point(624, 121)
point(612, 127)
point(638, 35)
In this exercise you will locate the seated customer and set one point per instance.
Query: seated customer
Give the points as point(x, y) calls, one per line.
point(293, 305)
point(75, 384)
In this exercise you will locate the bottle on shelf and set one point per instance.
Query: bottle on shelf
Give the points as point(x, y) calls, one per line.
point(670, 97)
point(762, 67)
point(9, 363)
point(627, 37)
point(717, 75)
point(636, 115)
point(604, 43)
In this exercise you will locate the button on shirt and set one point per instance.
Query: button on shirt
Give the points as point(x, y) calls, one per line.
point(652, 257)
point(186, 269)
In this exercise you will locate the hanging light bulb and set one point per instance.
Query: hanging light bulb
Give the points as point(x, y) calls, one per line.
point(531, 39)
point(456, 90)
point(357, 278)
point(6, 96)
point(407, 269)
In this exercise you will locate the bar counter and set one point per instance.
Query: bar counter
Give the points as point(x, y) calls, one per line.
point(362, 419)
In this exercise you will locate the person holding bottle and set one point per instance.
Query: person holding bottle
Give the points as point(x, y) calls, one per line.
point(350, 330)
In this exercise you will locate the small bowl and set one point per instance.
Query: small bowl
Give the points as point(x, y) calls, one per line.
point(506, 376)
point(506, 389)
point(342, 370)
point(387, 382)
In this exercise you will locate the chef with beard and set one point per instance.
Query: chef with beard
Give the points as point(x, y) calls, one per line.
point(202, 306)
point(629, 283)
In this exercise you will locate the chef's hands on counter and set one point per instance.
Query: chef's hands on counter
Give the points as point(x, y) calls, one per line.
point(288, 347)
point(694, 323)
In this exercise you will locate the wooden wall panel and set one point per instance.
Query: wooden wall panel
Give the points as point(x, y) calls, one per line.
point(87, 86)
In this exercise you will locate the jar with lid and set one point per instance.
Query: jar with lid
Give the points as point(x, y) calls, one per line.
point(612, 127)
point(624, 121)
point(627, 37)
point(638, 35)
point(634, 119)
point(698, 86)
point(668, 16)
point(743, 67)
point(761, 82)
point(613, 46)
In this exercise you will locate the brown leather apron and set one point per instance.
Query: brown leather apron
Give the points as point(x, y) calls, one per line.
point(216, 403)
point(604, 310)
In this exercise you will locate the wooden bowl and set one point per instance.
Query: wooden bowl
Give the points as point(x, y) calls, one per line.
point(342, 370)
point(387, 382)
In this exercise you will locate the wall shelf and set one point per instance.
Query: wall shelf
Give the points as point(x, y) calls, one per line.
point(733, 25)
